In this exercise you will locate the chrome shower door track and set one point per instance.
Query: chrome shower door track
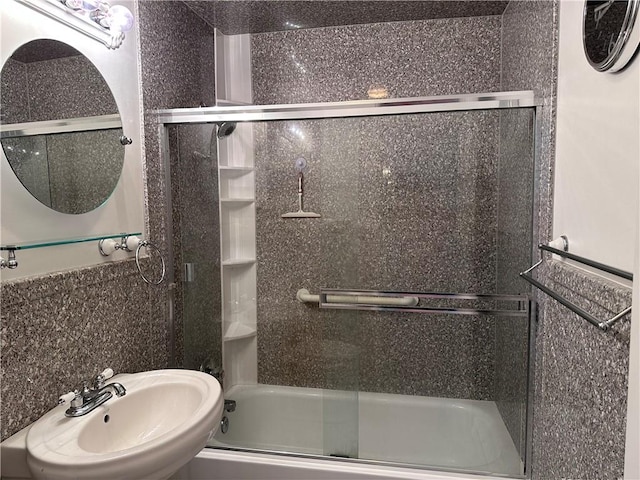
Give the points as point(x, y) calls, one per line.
point(356, 108)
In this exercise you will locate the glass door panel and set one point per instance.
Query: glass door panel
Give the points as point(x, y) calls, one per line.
point(438, 202)
point(196, 226)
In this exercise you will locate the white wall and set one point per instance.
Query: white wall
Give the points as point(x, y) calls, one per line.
point(22, 217)
point(597, 151)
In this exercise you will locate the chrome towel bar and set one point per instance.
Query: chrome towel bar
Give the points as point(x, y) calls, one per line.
point(602, 325)
point(304, 296)
point(382, 301)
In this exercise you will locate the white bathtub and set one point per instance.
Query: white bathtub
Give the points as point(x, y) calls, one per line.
point(440, 433)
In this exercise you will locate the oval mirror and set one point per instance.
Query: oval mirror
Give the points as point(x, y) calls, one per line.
point(60, 127)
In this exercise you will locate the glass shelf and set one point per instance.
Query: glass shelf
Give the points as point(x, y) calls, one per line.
point(64, 241)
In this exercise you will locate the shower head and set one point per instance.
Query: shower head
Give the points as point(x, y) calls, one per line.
point(225, 129)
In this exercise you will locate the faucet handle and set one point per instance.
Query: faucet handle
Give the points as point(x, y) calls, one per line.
point(67, 397)
point(106, 374)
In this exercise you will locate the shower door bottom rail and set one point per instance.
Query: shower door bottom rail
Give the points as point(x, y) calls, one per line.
point(499, 303)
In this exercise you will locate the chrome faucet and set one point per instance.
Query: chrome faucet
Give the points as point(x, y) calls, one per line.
point(91, 396)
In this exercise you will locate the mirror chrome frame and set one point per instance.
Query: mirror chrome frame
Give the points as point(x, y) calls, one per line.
point(46, 127)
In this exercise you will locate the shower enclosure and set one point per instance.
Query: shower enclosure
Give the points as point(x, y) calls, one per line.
point(392, 327)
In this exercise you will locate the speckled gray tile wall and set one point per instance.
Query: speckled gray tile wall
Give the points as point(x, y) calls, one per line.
point(255, 16)
point(14, 92)
point(528, 41)
point(407, 203)
point(529, 62)
point(410, 59)
point(26, 92)
point(177, 54)
point(581, 399)
point(80, 77)
point(61, 328)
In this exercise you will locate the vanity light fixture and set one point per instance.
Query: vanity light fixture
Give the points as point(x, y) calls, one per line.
point(95, 18)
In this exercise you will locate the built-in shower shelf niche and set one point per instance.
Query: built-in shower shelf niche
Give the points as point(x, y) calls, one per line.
point(238, 254)
point(236, 150)
point(238, 262)
point(237, 183)
point(236, 177)
point(238, 230)
point(238, 331)
point(237, 201)
point(235, 171)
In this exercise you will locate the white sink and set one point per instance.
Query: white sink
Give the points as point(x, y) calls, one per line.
point(163, 421)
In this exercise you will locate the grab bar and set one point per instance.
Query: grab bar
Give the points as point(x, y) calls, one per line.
point(304, 296)
point(602, 325)
point(389, 302)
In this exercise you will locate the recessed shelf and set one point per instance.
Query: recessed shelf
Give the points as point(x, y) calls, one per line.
point(237, 201)
point(63, 241)
point(237, 331)
point(238, 262)
point(230, 169)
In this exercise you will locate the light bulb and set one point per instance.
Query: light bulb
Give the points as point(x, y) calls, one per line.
point(91, 5)
point(119, 19)
point(74, 4)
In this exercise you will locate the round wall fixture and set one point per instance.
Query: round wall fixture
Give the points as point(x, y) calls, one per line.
point(610, 33)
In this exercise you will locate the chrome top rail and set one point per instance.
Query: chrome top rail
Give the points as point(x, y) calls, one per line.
point(356, 108)
point(46, 127)
point(601, 324)
point(328, 294)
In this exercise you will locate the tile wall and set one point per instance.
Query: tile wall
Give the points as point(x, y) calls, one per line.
point(581, 379)
point(177, 60)
point(409, 59)
point(62, 328)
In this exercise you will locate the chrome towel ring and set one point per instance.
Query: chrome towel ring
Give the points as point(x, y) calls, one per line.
point(129, 243)
point(147, 244)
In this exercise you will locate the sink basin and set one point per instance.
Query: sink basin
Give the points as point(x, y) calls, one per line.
point(162, 422)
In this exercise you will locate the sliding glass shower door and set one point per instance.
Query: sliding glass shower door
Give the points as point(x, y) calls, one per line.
point(321, 220)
